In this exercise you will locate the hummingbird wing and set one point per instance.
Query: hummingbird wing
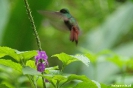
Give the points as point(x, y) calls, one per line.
point(56, 19)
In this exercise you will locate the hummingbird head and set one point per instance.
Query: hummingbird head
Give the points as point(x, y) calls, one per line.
point(64, 11)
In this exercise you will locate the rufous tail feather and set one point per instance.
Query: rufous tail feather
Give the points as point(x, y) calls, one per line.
point(74, 34)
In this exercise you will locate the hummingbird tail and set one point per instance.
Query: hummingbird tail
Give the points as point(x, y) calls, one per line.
point(74, 34)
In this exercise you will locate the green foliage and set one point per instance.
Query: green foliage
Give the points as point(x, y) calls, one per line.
point(11, 64)
point(104, 86)
point(30, 71)
point(59, 80)
point(52, 74)
point(10, 52)
point(85, 84)
point(18, 56)
point(67, 59)
point(3, 86)
point(31, 63)
point(28, 54)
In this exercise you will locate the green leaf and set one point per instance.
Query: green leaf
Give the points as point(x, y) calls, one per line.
point(83, 59)
point(30, 71)
point(104, 86)
point(28, 54)
point(7, 84)
point(15, 54)
point(50, 79)
point(78, 77)
point(65, 58)
point(31, 63)
point(8, 51)
point(52, 70)
point(92, 57)
point(56, 79)
point(85, 85)
point(2, 55)
point(59, 78)
point(11, 64)
point(97, 84)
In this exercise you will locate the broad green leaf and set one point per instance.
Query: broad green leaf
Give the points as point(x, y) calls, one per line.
point(59, 78)
point(82, 58)
point(10, 52)
point(28, 54)
point(104, 86)
point(6, 84)
point(2, 55)
point(97, 84)
point(65, 58)
point(31, 63)
point(17, 55)
point(85, 85)
point(50, 79)
point(52, 70)
point(92, 57)
point(56, 79)
point(78, 77)
point(30, 71)
point(11, 64)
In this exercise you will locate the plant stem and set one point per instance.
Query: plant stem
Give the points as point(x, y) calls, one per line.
point(33, 25)
point(32, 81)
point(44, 85)
point(35, 32)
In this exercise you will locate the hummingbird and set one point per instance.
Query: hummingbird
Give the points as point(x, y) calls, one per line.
point(63, 20)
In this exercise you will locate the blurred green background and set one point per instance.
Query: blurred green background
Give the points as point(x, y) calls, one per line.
point(106, 33)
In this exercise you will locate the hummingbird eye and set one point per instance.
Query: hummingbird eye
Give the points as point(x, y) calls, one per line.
point(63, 11)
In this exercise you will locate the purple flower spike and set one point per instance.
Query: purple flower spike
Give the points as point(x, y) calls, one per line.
point(40, 67)
point(41, 61)
point(41, 55)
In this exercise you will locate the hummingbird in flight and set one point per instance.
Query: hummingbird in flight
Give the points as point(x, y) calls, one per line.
point(63, 20)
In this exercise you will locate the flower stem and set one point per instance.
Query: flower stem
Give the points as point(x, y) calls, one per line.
point(44, 85)
point(33, 24)
point(35, 32)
